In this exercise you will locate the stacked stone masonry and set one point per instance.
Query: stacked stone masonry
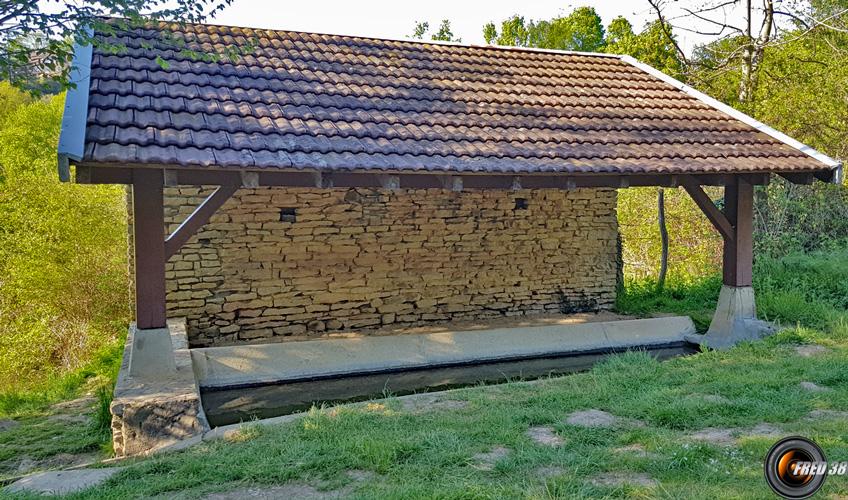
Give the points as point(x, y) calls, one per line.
point(291, 262)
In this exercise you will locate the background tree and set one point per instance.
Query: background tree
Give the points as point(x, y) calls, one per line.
point(37, 38)
point(651, 46)
point(743, 31)
point(786, 64)
point(580, 30)
point(513, 33)
point(443, 34)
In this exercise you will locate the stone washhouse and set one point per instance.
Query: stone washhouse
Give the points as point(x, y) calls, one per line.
point(317, 186)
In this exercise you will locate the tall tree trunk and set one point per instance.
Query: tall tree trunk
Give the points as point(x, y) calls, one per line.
point(747, 58)
point(752, 57)
point(663, 238)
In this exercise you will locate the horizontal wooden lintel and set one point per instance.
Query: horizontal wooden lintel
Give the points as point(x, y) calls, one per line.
point(312, 179)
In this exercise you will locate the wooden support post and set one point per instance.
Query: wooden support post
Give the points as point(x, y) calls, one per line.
point(738, 258)
point(719, 220)
point(735, 224)
point(149, 239)
point(735, 319)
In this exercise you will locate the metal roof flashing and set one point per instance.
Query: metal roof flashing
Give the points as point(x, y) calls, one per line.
point(834, 165)
point(72, 135)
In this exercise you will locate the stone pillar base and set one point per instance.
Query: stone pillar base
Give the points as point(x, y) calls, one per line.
point(157, 402)
point(734, 321)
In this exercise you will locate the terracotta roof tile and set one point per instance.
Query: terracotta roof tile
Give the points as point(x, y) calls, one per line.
point(338, 103)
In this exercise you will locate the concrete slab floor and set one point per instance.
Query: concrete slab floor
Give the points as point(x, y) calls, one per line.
point(217, 367)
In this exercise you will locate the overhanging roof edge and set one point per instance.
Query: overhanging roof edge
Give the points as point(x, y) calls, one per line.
point(72, 134)
point(833, 164)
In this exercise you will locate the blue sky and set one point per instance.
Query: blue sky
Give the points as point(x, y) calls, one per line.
point(395, 19)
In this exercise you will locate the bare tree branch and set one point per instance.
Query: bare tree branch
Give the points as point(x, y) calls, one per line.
point(655, 4)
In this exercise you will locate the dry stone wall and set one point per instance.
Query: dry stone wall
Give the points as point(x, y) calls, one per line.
point(281, 262)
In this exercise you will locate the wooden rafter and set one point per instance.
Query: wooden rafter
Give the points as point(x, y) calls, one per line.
point(803, 178)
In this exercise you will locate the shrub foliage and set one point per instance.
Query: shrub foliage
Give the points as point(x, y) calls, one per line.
point(63, 258)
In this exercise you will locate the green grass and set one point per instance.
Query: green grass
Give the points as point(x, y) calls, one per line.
point(48, 436)
point(430, 454)
point(695, 298)
point(50, 442)
point(800, 289)
point(35, 400)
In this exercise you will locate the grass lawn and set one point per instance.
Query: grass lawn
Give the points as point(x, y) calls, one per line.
point(747, 397)
point(693, 427)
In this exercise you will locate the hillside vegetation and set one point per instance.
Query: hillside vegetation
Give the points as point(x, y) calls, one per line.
point(63, 254)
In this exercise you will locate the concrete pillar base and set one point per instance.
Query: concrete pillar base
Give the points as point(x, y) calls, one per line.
point(152, 353)
point(734, 321)
point(158, 403)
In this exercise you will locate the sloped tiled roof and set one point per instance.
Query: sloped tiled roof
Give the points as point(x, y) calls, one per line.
point(326, 102)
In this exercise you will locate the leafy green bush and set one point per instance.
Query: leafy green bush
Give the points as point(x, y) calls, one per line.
point(805, 289)
point(792, 218)
point(789, 218)
point(808, 289)
point(63, 268)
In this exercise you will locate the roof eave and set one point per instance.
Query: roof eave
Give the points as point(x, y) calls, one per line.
point(828, 162)
point(72, 135)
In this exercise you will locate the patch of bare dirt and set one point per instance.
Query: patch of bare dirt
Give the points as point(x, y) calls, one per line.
point(58, 461)
point(715, 435)
point(486, 461)
point(69, 418)
point(545, 436)
point(26, 464)
point(827, 415)
point(813, 387)
point(592, 418)
point(616, 479)
point(764, 429)
point(360, 475)
point(300, 491)
point(7, 425)
point(722, 436)
point(714, 398)
point(599, 418)
point(80, 404)
point(546, 472)
point(74, 411)
point(809, 350)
